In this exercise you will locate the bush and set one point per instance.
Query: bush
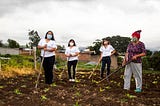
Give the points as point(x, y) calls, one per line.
point(152, 61)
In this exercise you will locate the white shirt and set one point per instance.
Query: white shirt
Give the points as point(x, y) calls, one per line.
point(72, 50)
point(106, 51)
point(50, 44)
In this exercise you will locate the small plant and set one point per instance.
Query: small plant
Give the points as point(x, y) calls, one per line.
point(124, 100)
point(83, 76)
point(23, 86)
point(101, 89)
point(78, 94)
point(46, 90)
point(17, 91)
point(1, 87)
point(130, 96)
point(94, 81)
point(122, 76)
point(53, 85)
point(155, 82)
point(108, 87)
point(77, 104)
point(78, 80)
point(43, 97)
point(119, 84)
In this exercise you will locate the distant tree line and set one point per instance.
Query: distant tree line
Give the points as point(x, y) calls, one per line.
point(10, 44)
point(150, 61)
point(119, 43)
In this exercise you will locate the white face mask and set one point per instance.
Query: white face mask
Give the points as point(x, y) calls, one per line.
point(71, 43)
point(49, 36)
point(134, 39)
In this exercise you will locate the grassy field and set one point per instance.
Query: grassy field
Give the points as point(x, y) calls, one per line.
point(19, 65)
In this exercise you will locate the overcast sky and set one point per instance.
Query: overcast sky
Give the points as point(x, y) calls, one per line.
point(83, 20)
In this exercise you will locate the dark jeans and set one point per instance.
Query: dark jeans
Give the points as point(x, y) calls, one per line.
point(48, 69)
point(105, 60)
point(72, 64)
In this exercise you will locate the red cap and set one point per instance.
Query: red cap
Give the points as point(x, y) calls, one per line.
point(136, 34)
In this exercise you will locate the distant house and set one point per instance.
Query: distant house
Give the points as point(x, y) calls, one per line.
point(10, 51)
point(16, 51)
point(25, 51)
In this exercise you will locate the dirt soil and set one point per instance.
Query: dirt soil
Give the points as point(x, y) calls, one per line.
point(20, 91)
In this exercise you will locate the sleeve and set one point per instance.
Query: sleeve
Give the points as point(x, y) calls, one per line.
point(66, 51)
point(111, 48)
point(143, 48)
point(54, 45)
point(77, 50)
point(40, 43)
point(128, 47)
point(101, 49)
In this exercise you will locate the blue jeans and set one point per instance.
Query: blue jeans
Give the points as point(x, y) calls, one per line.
point(105, 60)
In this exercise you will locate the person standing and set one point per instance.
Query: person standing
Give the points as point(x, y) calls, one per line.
point(106, 52)
point(48, 48)
point(72, 53)
point(135, 50)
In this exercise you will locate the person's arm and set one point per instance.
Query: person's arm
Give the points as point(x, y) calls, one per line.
point(138, 55)
point(125, 59)
point(113, 52)
point(50, 50)
point(100, 58)
point(66, 53)
point(41, 45)
point(75, 54)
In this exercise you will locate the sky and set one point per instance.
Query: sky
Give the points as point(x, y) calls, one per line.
point(82, 20)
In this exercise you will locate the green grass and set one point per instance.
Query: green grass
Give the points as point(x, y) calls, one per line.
point(151, 72)
point(19, 61)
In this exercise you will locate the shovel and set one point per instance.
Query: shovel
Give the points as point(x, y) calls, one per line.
point(40, 71)
point(93, 71)
point(114, 72)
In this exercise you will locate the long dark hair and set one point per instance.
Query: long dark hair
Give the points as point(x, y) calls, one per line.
point(71, 40)
point(51, 34)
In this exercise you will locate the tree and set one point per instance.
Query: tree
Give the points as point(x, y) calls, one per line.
point(155, 60)
point(148, 52)
point(119, 43)
point(27, 46)
point(1, 44)
point(59, 47)
point(13, 43)
point(34, 38)
point(96, 46)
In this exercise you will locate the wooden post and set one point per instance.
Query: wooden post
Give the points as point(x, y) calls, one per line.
point(34, 53)
point(0, 64)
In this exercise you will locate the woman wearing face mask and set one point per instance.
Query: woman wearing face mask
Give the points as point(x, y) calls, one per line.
point(134, 52)
point(48, 48)
point(106, 52)
point(72, 53)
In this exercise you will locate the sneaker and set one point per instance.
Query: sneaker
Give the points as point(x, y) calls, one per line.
point(70, 80)
point(73, 80)
point(138, 90)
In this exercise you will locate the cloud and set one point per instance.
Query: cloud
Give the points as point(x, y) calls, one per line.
point(82, 20)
